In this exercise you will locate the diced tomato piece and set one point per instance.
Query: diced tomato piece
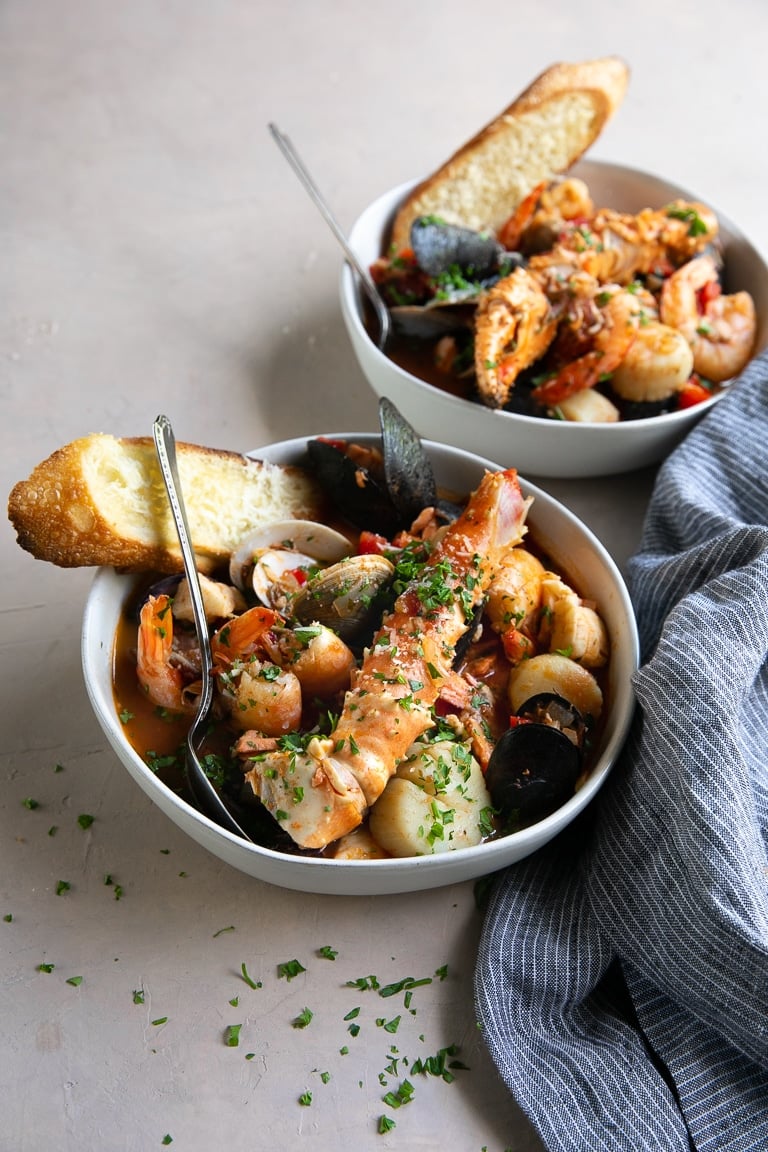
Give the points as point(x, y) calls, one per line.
point(299, 575)
point(371, 542)
point(707, 294)
point(341, 445)
point(692, 393)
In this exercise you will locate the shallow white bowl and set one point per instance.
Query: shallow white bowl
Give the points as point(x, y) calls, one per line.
point(537, 446)
point(570, 545)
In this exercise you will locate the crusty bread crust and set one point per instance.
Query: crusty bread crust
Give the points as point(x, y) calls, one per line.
point(101, 500)
point(537, 138)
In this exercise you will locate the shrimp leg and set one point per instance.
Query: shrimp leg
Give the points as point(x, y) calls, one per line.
point(322, 793)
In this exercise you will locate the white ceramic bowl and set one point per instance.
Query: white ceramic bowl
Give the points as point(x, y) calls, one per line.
point(570, 545)
point(537, 446)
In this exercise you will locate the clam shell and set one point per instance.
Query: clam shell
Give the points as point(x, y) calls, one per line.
point(309, 537)
point(341, 596)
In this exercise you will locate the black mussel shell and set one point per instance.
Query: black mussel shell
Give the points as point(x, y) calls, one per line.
point(388, 503)
point(167, 586)
point(407, 468)
point(439, 247)
point(465, 641)
point(642, 409)
point(532, 771)
point(366, 505)
point(549, 708)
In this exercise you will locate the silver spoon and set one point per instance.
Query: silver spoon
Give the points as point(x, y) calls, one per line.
point(203, 790)
point(371, 291)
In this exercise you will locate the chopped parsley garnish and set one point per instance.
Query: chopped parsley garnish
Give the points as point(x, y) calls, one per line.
point(303, 1019)
point(327, 953)
point(248, 979)
point(85, 820)
point(62, 886)
point(696, 226)
point(403, 1095)
point(232, 1035)
point(289, 969)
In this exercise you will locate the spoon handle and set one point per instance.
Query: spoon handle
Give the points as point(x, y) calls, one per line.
point(165, 443)
point(293, 158)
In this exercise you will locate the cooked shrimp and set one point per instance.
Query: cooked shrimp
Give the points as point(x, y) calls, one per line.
point(324, 792)
point(720, 329)
point(514, 326)
point(156, 665)
point(621, 316)
point(512, 230)
point(655, 366)
point(257, 693)
point(561, 202)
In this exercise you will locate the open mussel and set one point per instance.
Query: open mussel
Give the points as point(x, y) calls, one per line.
point(379, 492)
point(536, 763)
point(443, 249)
point(459, 264)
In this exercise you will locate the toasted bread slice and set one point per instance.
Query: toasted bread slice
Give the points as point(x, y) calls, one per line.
point(101, 501)
point(538, 137)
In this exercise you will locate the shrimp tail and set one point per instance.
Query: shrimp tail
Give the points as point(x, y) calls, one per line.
point(320, 794)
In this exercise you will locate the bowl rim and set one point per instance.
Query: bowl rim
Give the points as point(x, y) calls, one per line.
point(351, 302)
point(113, 589)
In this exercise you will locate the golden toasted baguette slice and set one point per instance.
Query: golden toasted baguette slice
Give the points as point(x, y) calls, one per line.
point(538, 137)
point(101, 501)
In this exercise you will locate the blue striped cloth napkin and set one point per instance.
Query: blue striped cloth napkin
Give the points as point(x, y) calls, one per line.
point(622, 975)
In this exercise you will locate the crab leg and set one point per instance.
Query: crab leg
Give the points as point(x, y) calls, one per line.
point(319, 795)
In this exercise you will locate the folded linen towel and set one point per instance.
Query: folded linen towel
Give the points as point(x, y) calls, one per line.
point(622, 974)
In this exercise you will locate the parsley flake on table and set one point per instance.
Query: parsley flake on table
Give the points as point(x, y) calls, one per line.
point(167, 1139)
point(62, 886)
point(289, 969)
point(75, 981)
point(138, 995)
point(160, 1020)
point(403, 1095)
point(249, 979)
point(46, 967)
point(232, 1035)
point(327, 953)
point(8, 917)
point(386, 1124)
point(305, 1099)
point(303, 1019)
point(85, 820)
point(30, 803)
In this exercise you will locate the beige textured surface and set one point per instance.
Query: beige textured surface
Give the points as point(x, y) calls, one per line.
point(159, 255)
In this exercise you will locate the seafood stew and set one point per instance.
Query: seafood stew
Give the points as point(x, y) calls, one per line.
point(573, 312)
point(365, 680)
